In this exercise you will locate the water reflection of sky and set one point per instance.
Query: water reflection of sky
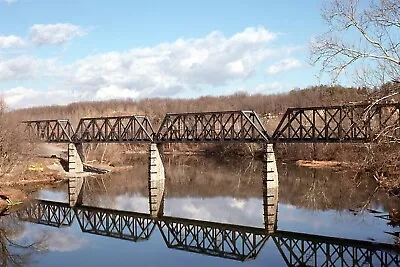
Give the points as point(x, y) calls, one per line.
point(100, 251)
point(249, 212)
point(69, 246)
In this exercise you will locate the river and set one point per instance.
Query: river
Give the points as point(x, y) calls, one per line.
point(214, 214)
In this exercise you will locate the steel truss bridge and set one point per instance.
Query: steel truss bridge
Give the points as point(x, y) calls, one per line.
point(351, 123)
point(215, 239)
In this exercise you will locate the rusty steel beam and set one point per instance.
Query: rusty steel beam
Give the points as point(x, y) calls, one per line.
point(202, 127)
point(333, 124)
point(121, 129)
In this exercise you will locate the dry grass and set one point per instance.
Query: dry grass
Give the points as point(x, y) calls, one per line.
point(324, 164)
point(394, 217)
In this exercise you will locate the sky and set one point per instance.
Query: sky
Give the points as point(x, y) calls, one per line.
point(58, 52)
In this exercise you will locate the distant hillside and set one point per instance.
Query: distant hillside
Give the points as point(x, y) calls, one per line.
point(156, 108)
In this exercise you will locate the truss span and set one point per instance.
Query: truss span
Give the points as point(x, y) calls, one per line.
point(225, 126)
point(135, 128)
point(52, 131)
point(356, 123)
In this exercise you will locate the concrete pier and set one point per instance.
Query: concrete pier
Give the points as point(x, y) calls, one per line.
point(156, 182)
point(270, 189)
point(270, 169)
point(75, 188)
point(75, 158)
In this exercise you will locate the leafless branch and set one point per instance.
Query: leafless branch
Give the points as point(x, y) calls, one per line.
point(359, 34)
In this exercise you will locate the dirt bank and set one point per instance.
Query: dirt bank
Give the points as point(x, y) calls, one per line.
point(318, 164)
point(36, 174)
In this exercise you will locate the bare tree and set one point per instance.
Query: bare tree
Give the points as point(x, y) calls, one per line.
point(363, 37)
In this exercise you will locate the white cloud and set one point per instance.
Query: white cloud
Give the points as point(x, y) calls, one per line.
point(168, 68)
point(42, 34)
point(113, 91)
point(284, 65)
point(238, 203)
point(19, 97)
point(51, 239)
point(64, 240)
point(9, 1)
point(182, 67)
point(262, 88)
point(11, 41)
point(245, 211)
point(25, 67)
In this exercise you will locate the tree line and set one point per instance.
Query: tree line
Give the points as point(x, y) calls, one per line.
point(156, 108)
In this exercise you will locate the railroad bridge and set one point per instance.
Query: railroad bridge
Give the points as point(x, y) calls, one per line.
point(331, 124)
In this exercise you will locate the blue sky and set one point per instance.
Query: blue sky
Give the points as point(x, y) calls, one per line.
point(57, 52)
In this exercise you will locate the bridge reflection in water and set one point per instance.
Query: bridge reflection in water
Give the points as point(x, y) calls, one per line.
point(229, 241)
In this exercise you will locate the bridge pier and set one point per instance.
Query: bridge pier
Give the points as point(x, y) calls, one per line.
point(270, 169)
point(270, 189)
point(75, 186)
point(75, 158)
point(156, 181)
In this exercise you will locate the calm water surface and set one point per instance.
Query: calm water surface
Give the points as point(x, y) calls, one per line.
point(213, 216)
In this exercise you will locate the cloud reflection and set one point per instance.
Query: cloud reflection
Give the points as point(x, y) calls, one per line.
point(218, 209)
point(54, 239)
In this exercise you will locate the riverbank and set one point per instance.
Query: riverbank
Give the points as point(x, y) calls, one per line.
point(30, 176)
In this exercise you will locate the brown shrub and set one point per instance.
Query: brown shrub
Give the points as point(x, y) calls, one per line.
point(13, 144)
